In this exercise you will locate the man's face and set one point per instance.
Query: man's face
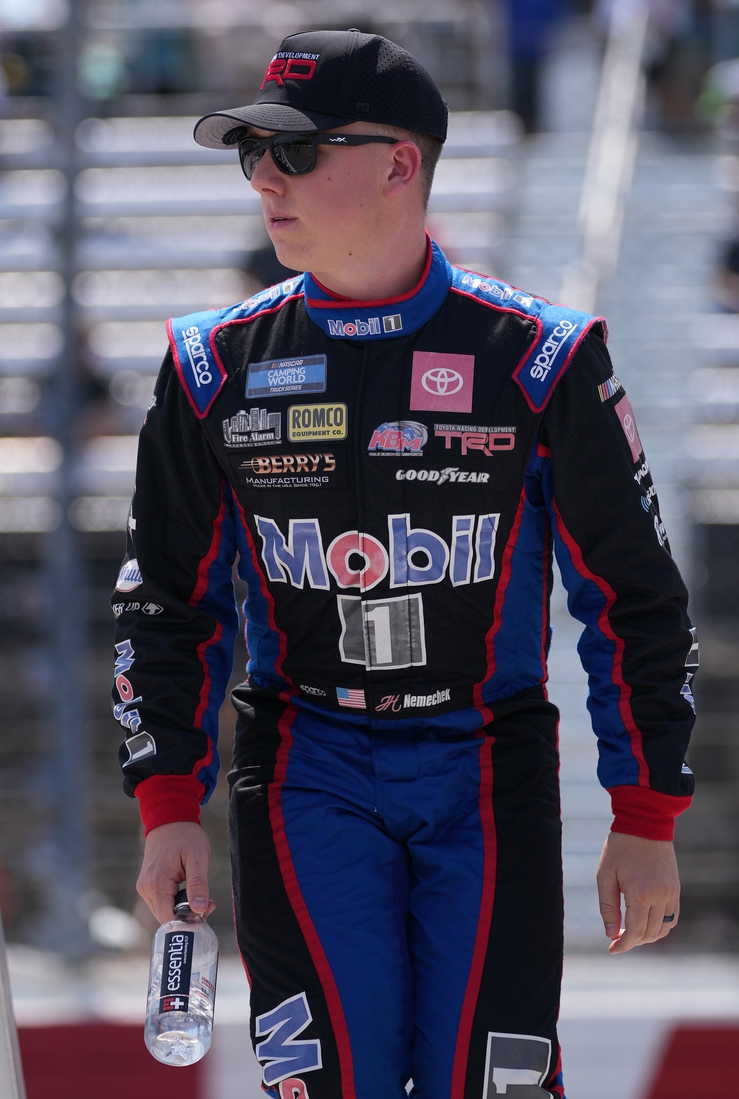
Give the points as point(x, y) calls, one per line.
point(325, 220)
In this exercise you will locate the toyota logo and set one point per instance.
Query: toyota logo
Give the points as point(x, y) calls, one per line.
point(442, 382)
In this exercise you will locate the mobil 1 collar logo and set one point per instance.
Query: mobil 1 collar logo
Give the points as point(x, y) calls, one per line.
point(278, 377)
point(313, 468)
point(178, 947)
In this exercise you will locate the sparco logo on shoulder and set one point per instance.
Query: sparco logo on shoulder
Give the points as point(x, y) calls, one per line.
point(197, 356)
point(544, 361)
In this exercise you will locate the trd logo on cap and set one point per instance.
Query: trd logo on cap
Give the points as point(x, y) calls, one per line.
point(293, 66)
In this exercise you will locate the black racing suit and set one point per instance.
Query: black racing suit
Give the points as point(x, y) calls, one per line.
point(393, 478)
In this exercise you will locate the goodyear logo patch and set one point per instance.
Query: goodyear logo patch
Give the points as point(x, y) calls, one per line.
point(316, 421)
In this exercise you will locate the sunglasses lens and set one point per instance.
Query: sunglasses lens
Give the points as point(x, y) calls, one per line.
point(293, 155)
point(250, 155)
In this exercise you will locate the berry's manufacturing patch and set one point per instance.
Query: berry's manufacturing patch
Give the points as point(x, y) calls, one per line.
point(314, 468)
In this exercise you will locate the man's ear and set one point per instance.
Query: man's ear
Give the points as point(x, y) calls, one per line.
point(405, 165)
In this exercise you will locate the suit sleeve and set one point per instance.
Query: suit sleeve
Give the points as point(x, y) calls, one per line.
point(176, 613)
point(638, 647)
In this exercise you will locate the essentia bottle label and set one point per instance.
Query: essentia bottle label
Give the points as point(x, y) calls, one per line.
point(178, 947)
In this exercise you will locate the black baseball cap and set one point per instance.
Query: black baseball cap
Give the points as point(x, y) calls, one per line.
point(319, 80)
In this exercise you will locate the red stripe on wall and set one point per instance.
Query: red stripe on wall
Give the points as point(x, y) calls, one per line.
point(698, 1063)
point(100, 1061)
point(300, 908)
point(604, 623)
point(485, 919)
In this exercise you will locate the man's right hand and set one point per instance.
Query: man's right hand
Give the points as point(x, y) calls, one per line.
point(174, 853)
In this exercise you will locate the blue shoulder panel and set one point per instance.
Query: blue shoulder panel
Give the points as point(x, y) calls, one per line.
point(192, 339)
point(559, 333)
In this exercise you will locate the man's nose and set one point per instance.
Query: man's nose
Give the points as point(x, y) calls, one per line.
point(267, 176)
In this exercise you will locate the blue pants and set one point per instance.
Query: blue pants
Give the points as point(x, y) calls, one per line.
point(398, 900)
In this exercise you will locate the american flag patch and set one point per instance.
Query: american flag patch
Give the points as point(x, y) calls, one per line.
point(607, 389)
point(353, 699)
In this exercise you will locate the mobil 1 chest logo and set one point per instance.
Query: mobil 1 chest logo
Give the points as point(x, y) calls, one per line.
point(175, 991)
point(284, 377)
point(312, 467)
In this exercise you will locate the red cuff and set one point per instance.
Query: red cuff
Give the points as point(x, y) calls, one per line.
point(640, 811)
point(167, 798)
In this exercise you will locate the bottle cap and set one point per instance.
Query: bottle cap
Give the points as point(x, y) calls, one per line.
point(181, 907)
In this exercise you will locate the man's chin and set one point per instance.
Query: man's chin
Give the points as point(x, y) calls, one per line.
point(292, 256)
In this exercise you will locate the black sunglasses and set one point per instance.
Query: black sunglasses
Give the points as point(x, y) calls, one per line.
point(296, 154)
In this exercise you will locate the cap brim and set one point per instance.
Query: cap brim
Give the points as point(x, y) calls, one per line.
point(211, 129)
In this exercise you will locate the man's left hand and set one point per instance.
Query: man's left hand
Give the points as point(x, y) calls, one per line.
point(645, 871)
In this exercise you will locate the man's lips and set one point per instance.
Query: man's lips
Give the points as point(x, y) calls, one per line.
point(277, 220)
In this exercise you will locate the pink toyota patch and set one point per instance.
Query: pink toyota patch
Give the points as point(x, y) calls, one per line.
point(625, 413)
point(442, 383)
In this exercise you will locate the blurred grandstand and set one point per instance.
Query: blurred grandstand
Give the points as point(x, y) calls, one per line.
point(112, 219)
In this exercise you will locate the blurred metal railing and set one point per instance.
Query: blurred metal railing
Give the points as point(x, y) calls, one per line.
point(156, 227)
point(162, 227)
point(611, 155)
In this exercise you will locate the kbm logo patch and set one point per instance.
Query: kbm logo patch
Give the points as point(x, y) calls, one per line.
point(398, 437)
point(516, 1065)
point(316, 421)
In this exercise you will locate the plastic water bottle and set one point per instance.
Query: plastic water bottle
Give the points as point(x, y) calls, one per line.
point(182, 988)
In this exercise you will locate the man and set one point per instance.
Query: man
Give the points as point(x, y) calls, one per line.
point(391, 446)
